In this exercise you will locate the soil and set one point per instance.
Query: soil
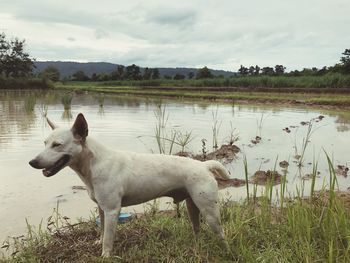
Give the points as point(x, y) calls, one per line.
point(342, 170)
point(284, 164)
point(227, 153)
point(323, 197)
point(256, 140)
point(262, 178)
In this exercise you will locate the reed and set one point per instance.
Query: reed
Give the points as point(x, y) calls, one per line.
point(216, 128)
point(29, 104)
point(245, 165)
point(66, 101)
point(160, 128)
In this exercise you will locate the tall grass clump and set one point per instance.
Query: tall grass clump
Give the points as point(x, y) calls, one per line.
point(300, 155)
point(245, 165)
point(160, 129)
point(100, 99)
point(330, 80)
point(29, 103)
point(66, 101)
point(216, 127)
point(183, 139)
point(166, 141)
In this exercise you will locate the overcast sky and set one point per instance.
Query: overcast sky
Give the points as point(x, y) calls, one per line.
point(218, 34)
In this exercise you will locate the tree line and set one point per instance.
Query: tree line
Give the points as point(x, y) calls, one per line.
point(15, 62)
point(278, 70)
point(132, 72)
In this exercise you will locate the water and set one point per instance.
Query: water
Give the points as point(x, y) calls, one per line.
point(128, 123)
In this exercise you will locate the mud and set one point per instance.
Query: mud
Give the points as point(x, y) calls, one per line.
point(256, 140)
point(283, 164)
point(342, 170)
point(226, 153)
point(262, 178)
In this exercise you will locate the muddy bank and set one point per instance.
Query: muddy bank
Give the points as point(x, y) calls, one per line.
point(262, 178)
point(226, 153)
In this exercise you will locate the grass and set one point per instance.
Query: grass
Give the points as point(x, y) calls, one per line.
point(297, 96)
point(24, 83)
point(215, 128)
point(300, 232)
point(66, 101)
point(332, 80)
point(29, 104)
point(166, 141)
point(315, 229)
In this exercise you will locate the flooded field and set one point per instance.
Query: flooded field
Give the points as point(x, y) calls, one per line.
point(286, 140)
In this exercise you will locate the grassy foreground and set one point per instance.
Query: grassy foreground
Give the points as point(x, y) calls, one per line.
point(302, 231)
point(319, 97)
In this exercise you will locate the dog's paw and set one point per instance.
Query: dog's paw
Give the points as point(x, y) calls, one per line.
point(98, 242)
point(106, 254)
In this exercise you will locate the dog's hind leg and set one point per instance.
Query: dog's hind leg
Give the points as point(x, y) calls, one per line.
point(212, 217)
point(206, 199)
point(193, 213)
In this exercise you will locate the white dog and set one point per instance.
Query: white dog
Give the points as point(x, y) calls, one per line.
point(115, 179)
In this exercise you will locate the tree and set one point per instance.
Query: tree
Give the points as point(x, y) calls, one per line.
point(279, 69)
point(267, 71)
point(147, 73)
point(14, 61)
point(345, 61)
point(133, 72)
point(190, 75)
point(120, 72)
point(94, 77)
point(243, 70)
point(251, 70)
point(80, 76)
point(322, 71)
point(51, 73)
point(155, 73)
point(256, 70)
point(204, 73)
point(179, 76)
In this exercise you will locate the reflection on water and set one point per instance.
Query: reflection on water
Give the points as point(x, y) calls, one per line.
point(344, 122)
point(67, 114)
point(120, 121)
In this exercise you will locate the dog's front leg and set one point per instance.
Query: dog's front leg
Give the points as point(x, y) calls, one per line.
point(102, 220)
point(110, 221)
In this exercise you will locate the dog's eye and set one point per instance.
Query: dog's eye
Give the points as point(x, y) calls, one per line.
point(55, 144)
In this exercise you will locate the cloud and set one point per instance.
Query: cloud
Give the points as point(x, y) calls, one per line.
point(173, 17)
point(100, 33)
point(153, 33)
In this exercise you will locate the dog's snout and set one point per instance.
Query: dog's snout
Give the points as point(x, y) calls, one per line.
point(34, 163)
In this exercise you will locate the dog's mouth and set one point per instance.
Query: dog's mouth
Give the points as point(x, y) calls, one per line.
point(57, 166)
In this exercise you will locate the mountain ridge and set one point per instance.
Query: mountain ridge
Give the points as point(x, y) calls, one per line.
point(68, 68)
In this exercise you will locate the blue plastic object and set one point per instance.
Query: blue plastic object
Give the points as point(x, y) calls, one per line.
point(123, 217)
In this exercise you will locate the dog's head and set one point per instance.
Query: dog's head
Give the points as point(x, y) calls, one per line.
point(62, 147)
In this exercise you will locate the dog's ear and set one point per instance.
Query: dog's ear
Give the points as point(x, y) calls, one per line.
point(51, 124)
point(80, 127)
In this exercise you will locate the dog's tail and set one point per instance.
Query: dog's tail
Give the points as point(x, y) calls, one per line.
point(217, 169)
point(222, 176)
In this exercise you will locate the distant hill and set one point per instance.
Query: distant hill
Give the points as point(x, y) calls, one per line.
point(67, 68)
